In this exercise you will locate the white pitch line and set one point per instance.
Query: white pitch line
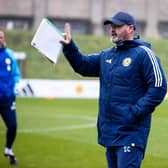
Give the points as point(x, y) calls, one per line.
point(64, 128)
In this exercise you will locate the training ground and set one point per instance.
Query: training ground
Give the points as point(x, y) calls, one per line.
point(61, 133)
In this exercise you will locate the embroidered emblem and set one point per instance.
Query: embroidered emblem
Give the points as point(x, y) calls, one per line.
point(8, 68)
point(7, 61)
point(127, 149)
point(109, 61)
point(13, 106)
point(133, 144)
point(127, 61)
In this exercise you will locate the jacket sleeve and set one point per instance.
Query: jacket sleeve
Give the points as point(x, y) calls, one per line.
point(86, 65)
point(16, 71)
point(155, 80)
point(15, 68)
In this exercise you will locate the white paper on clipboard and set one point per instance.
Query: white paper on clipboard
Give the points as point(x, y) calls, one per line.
point(47, 40)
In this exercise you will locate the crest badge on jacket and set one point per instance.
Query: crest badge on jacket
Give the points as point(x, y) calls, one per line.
point(126, 62)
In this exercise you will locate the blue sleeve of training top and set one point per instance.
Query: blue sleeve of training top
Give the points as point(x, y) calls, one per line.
point(15, 68)
point(86, 65)
point(155, 80)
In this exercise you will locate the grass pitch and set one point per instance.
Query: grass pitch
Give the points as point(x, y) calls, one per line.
point(61, 133)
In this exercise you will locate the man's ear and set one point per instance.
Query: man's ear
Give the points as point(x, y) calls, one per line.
point(131, 28)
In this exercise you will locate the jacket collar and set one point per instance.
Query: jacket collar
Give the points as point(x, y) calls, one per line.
point(132, 43)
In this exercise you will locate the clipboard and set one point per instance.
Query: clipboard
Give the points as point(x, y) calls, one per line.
point(47, 40)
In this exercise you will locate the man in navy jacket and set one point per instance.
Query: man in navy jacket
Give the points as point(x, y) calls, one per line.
point(132, 84)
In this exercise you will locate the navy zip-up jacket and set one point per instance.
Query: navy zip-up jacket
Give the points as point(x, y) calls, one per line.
point(132, 84)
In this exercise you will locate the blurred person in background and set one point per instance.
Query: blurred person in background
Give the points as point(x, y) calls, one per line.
point(132, 85)
point(9, 79)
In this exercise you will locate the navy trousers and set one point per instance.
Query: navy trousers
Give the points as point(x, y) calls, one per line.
point(124, 157)
point(8, 113)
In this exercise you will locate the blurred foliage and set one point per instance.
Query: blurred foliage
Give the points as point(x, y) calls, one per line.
point(38, 67)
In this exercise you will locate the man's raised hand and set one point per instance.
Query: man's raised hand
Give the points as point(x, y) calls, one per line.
point(67, 35)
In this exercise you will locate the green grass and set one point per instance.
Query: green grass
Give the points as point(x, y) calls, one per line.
point(61, 133)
